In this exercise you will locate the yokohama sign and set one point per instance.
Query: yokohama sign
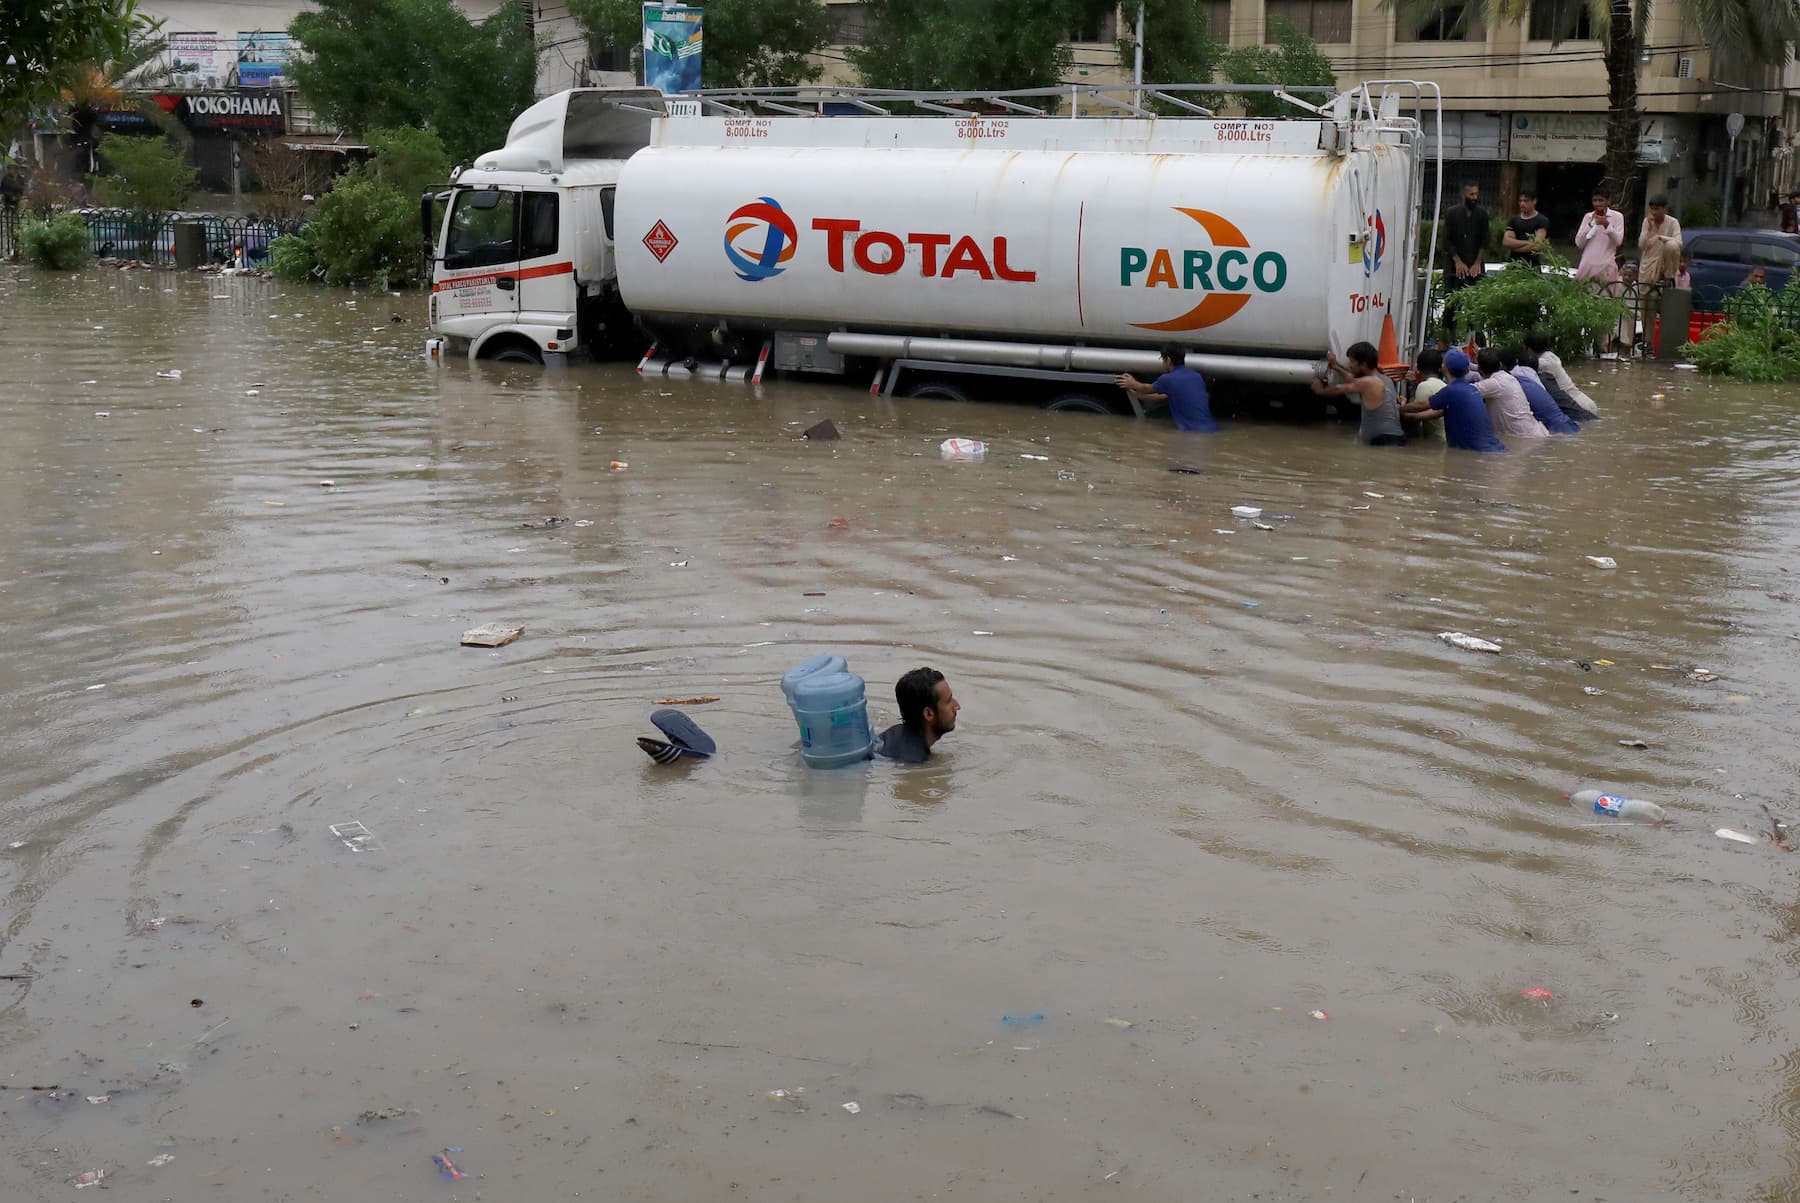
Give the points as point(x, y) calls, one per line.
point(258, 110)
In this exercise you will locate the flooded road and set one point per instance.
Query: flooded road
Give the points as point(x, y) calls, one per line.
point(1204, 783)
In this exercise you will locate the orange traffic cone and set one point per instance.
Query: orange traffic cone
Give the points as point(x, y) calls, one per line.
point(1389, 351)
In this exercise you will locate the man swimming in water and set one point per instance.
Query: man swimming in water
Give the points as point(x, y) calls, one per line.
point(927, 714)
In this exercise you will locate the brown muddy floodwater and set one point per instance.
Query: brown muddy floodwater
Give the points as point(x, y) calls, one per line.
point(1208, 783)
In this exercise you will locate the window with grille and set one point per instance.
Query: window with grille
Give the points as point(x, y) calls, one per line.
point(1321, 20)
point(1096, 21)
point(1218, 21)
point(1453, 22)
point(1561, 21)
point(852, 24)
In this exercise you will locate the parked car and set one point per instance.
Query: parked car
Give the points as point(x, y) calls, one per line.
point(1723, 258)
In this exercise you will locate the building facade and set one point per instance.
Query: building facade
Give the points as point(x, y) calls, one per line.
point(1525, 101)
point(226, 78)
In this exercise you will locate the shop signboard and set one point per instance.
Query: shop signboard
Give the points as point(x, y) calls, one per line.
point(1580, 138)
point(253, 110)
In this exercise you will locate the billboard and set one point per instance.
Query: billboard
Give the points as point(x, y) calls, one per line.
point(196, 57)
point(673, 45)
point(262, 58)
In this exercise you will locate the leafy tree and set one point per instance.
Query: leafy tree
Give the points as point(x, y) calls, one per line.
point(1744, 33)
point(379, 64)
point(407, 160)
point(45, 47)
point(1294, 60)
point(148, 174)
point(103, 86)
point(1178, 45)
point(749, 43)
point(367, 227)
point(950, 45)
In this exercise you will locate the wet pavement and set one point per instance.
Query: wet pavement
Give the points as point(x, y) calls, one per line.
point(1205, 783)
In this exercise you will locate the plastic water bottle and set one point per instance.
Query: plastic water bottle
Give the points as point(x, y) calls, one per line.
point(833, 714)
point(1613, 806)
point(818, 664)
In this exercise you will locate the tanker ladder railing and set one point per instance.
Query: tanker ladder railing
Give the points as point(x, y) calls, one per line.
point(1424, 92)
point(811, 100)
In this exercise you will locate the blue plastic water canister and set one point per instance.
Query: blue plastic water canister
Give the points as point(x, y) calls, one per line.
point(833, 714)
point(818, 664)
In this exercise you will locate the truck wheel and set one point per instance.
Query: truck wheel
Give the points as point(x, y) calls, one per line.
point(1078, 403)
point(517, 354)
point(941, 390)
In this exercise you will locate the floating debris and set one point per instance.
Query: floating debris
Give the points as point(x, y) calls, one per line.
point(493, 634)
point(1467, 643)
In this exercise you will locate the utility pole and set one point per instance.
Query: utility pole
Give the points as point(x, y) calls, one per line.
point(1137, 60)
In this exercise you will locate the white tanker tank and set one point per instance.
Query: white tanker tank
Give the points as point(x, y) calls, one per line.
point(1034, 246)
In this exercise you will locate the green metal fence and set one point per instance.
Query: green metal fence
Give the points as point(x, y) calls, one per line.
point(150, 237)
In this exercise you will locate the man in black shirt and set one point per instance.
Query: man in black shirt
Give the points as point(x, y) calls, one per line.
point(1526, 234)
point(1466, 230)
point(927, 714)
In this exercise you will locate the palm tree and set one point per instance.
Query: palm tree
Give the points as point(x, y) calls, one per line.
point(100, 87)
point(1746, 33)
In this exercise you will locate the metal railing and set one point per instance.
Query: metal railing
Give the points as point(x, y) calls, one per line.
point(151, 237)
point(812, 100)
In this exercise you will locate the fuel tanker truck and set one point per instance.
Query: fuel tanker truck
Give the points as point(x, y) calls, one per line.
point(972, 245)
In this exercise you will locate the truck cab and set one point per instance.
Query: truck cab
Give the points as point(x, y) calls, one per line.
point(522, 259)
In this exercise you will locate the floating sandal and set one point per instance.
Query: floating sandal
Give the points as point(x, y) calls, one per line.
point(685, 738)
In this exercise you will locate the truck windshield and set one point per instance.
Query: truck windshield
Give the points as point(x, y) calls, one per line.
point(482, 237)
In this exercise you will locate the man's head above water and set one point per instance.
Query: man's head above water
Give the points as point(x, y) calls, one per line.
point(926, 704)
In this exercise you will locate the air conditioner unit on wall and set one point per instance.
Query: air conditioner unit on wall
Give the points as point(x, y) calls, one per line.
point(1684, 68)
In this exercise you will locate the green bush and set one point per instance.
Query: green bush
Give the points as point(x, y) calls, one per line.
point(295, 256)
point(1508, 305)
point(1754, 341)
point(363, 231)
point(58, 242)
point(148, 174)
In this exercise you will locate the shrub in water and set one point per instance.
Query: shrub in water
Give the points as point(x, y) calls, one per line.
point(1754, 342)
point(364, 231)
point(59, 243)
point(295, 256)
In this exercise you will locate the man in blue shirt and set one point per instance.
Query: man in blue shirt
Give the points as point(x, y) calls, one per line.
point(1543, 406)
point(1466, 423)
point(1181, 387)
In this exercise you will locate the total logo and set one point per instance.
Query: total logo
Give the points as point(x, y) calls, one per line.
point(759, 239)
point(1374, 244)
point(1228, 274)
